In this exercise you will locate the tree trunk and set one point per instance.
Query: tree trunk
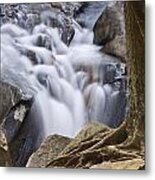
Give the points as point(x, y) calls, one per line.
point(134, 19)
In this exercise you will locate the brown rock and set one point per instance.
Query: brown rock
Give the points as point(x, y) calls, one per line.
point(134, 164)
point(109, 30)
point(78, 152)
point(48, 150)
point(89, 132)
point(116, 47)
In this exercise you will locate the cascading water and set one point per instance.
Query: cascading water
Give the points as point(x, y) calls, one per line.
point(72, 85)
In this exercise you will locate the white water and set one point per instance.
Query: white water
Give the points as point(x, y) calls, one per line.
point(72, 85)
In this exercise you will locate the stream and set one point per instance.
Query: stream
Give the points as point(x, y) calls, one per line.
point(72, 83)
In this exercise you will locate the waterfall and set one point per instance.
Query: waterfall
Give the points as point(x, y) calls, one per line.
point(71, 85)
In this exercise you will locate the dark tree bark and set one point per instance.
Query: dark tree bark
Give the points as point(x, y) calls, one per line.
point(135, 26)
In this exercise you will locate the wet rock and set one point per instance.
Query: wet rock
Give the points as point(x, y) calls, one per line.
point(89, 12)
point(57, 19)
point(15, 118)
point(134, 164)
point(15, 107)
point(109, 30)
point(31, 21)
point(48, 150)
point(9, 96)
point(15, 124)
point(53, 14)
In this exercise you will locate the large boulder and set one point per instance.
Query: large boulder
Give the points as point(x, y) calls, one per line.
point(109, 30)
point(48, 150)
point(99, 147)
point(9, 96)
point(15, 107)
point(77, 153)
point(15, 124)
point(89, 132)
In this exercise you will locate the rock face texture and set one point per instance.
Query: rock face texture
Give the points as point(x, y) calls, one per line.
point(15, 107)
point(95, 147)
point(5, 159)
point(90, 146)
point(58, 151)
point(134, 164)
point(15, 125)
point(9, 96)
point(109, 30)
point(48, 150)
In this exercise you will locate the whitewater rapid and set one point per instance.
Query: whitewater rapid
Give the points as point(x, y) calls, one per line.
point(72, 85)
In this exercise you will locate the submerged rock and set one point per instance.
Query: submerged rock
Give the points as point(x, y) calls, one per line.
point(27, 16)
point(109, 30)
point(48, 150)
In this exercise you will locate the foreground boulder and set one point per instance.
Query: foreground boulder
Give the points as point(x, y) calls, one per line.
point(9, 96)
point(48, 150)
point(98, 146)
point(15, 124)
point(63, 150)
point(109, 30)
point(72, 157)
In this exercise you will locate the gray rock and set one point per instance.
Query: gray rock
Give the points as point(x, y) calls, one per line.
point(5, 159)
point(53, 14)
point(9, 96)
point(16, 124)
point(15, 117)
